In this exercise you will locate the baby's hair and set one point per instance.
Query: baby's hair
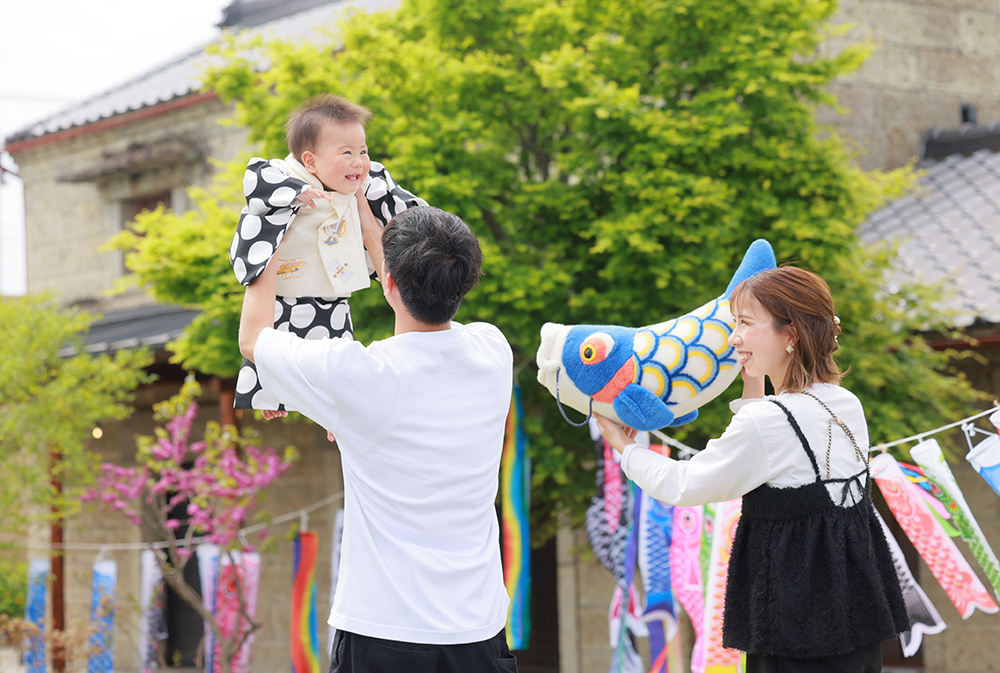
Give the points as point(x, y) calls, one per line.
point(304, 123)
point(797, 300)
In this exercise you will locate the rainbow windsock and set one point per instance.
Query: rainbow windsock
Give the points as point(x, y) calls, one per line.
point(304, 629)
point(515, 482)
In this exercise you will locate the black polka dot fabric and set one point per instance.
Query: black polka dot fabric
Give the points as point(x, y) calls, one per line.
point(270, 193)
point(307, 317)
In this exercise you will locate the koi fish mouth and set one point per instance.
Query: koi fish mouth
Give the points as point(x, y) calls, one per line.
point(623, 377)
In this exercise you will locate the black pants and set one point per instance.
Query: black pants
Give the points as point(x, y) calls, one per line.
point(862, 660)
point(353, 653)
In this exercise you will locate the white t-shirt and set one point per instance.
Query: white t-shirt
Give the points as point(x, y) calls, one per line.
point(419, 419)
point(760, 446)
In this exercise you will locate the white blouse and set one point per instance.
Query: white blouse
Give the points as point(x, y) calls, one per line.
point(761, 447)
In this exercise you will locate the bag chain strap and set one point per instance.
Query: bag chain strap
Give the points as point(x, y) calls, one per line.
point(829, 435)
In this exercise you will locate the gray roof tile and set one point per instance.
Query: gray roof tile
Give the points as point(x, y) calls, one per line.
point(948, 230)
point(151, 326)
point(183, 76)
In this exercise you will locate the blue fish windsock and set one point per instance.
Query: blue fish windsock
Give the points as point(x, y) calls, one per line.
point(648, 377)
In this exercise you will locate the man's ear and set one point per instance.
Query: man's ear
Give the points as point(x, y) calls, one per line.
point(309, 161)
point(388, 283)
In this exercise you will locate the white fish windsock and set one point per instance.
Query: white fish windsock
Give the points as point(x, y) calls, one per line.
point(648, 377)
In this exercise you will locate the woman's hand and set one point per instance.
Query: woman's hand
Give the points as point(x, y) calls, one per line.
point(618, 436)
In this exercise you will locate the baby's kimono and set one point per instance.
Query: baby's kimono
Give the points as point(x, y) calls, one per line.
point(322, 259)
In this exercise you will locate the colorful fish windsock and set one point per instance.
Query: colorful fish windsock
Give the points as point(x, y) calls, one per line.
point(655, 531)
point(648, 377)
point(924, 530)
point(515, 482)
point(238, 571)
point(208, 558)
point(686, 575)
point(34, 613)
point(928, 455)
point(985, 458)
point(102, 617)
point(304, 630)
point(153, 625)
point(718, 659)
point(924, 617)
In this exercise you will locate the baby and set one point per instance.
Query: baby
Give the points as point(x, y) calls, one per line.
point(322, 259)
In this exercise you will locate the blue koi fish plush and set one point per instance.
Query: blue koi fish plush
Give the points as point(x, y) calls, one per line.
point(648, 377)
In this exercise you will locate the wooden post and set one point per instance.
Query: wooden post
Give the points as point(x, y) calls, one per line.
point(58, 573)
point(226, 389)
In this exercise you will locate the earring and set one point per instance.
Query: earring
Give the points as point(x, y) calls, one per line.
point(790, 349)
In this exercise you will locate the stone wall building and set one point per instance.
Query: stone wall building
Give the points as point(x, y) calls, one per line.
point(149, 140)
point(930, 57)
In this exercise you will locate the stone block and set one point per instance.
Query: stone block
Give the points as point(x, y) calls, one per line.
point(889, 66)
point(979, 32)
point(853, 12)
point(860, 103)
point(962, 75)
point(596, 661)
point(972, 648)
point(912, 25)
point(596, 583)
point(981, 5)
point(594, 628)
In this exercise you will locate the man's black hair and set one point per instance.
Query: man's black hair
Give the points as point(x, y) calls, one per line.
point(435, 260)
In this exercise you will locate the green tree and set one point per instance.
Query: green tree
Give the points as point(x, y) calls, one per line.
point(615, 157)
point(49, 405)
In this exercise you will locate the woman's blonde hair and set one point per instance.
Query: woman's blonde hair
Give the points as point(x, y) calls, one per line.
point(798, 300)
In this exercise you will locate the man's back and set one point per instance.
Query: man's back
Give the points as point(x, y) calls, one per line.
point(419, 419)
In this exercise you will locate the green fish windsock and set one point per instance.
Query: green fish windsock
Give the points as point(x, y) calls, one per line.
point(927, 454)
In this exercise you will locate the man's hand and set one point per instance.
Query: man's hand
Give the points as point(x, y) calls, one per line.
point(618, 436)
point(309, 196)
point(268, 414)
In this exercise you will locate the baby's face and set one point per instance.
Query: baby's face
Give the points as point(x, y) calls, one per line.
point(340, 160)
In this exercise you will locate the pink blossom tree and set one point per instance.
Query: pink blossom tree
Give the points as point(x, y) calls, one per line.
point(220, 479)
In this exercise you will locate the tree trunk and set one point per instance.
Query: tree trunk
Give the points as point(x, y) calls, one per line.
point(58, 583)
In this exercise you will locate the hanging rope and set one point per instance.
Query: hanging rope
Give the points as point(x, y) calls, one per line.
point(139, 546)
point(920, 436)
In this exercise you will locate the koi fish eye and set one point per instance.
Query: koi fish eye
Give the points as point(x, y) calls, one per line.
point(595, 348)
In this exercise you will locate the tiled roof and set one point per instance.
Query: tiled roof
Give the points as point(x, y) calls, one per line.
point(948, 230)
point(182, 76)
point(150, 326)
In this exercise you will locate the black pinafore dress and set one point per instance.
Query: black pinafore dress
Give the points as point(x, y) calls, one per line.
point(809, 577)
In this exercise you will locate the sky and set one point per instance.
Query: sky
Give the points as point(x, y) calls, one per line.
point(55, 53)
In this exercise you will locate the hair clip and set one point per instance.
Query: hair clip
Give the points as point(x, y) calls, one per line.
point(836, 319)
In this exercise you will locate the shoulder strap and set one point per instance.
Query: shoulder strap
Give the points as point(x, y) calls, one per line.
point(802, 438)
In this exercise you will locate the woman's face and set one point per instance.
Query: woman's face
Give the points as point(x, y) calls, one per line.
point(760, 348)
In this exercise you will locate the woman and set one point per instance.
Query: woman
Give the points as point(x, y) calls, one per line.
point(811, 581)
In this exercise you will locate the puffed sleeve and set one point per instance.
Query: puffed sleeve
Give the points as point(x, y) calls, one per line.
point(386, 198)
point(270, 193)
point(728, 467)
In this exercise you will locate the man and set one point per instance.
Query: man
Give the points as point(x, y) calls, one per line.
point(419, 419)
